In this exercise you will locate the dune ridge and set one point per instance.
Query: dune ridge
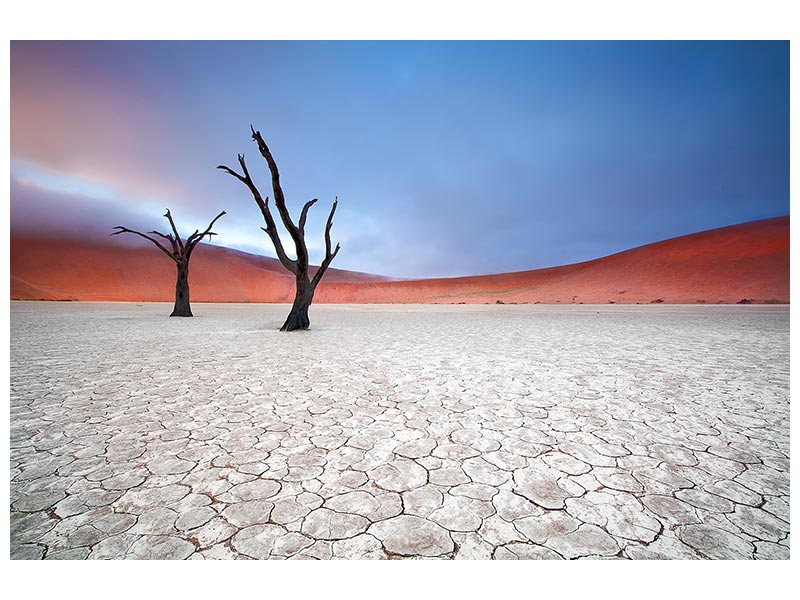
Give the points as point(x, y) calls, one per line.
point(749, 261)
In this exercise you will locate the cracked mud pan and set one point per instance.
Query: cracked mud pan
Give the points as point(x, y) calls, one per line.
point(468, 432)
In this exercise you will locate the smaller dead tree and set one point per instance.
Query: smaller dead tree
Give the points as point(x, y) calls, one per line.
point(179, 251)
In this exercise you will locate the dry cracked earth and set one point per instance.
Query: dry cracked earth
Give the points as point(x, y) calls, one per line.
point(505, 432)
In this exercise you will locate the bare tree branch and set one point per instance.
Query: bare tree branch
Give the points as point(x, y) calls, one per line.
point(147, 237)
point(302, 224)
point(169, 238)
point(277, 191)
point(233, 173)
point(271, 229)
point(159, 234)
point(192, 241)
point(324, 266)
point(329, 256)
point(174, 230)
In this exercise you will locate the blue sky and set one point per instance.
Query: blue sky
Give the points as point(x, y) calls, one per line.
point(449, 158)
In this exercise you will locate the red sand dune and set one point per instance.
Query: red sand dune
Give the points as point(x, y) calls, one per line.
point(750, 261)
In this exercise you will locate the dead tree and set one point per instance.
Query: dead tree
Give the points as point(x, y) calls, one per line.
point(179, 251)
point(304, 285)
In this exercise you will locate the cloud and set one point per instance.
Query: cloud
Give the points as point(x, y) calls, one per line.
point(448, 158)
point(61, 211)
point(37, 210)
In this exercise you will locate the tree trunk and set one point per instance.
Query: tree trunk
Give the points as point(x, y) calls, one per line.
point(298, 317)
point(182, 308)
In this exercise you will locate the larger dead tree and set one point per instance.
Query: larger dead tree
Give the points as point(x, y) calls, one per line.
point(304, 285)
point(179, 251)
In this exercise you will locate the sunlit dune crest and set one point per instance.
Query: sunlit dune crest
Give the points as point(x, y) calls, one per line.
point(748, 262)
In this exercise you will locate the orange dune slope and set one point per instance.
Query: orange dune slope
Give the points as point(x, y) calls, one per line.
point(69, 269)
point(748, 261)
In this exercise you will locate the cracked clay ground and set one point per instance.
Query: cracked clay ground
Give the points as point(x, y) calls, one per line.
point(399, 431)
